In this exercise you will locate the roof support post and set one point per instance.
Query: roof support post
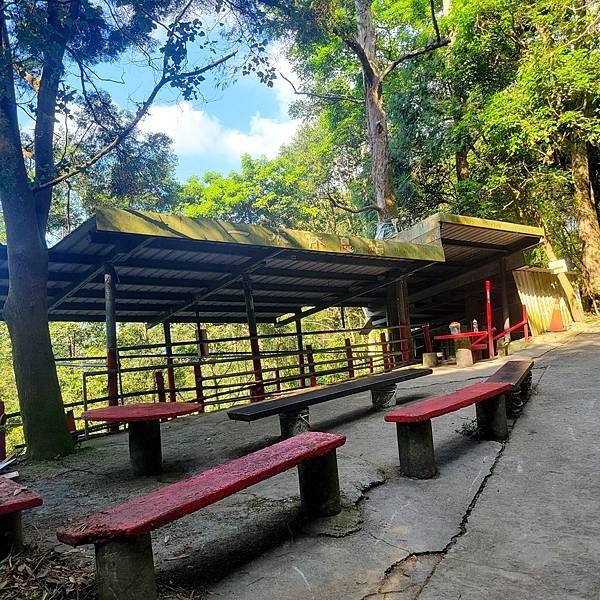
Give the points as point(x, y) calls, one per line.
point(504, 300)
point(398, 317)
point(169, 353)
point(259, 393)
point(112, 361)
point(300, 342)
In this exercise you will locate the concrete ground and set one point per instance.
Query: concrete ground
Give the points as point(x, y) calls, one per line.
point(499, 521)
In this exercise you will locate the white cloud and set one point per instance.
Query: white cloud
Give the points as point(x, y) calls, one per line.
point(196, 133)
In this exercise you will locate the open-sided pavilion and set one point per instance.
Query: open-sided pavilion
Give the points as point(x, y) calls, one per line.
point(135, 266)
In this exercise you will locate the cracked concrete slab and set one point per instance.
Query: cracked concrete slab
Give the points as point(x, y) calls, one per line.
point(534, 531)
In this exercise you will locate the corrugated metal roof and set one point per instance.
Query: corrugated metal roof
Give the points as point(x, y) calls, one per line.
point(168, 265)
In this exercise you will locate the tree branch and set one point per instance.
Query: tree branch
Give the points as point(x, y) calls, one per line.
point(438, 37)
point(139, 115)
point(413, 54)
point(332, 97)
point(368, 69)
point(350, 209)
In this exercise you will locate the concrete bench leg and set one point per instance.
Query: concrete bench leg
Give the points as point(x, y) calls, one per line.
point(491, 418)
point(526, 387)
point(11, 534)
point(145, 450)
point(125, 569)
point(383, 397)
point(294, 423)
point(320, 485)
point(415, 449)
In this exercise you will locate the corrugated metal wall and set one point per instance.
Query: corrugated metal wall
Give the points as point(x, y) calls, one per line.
point(538, 290)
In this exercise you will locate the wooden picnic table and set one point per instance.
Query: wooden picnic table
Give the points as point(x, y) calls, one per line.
point(145, 449)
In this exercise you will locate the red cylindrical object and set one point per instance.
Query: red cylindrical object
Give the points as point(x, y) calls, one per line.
point(349, 358)
point(171, 382)
point(311, 365)
point(159, 381)
point(199, 386)
point(113, 381)
point(277, 380)
point(427, 338)
point(258, 374)
point(386, 352)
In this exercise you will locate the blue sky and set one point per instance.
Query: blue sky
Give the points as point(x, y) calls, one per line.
point(211, 133)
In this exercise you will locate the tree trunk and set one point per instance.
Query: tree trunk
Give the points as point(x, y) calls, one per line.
point(377, 130)
point(381, 162)
point(26, 314)
point(25, 310)
point(462, 164)
point(588, 227)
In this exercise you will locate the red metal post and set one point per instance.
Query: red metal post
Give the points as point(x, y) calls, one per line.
point(371, 369)
point(405, 341)
point(349, 358)
point(199, 385)
point(2, 431)
point(427, 338)
point(300, 342)
point(170, 370)
point(525, 323)
point(71, 421)
point(112, 362)
point(385, 350)
point(159, 380)
point(488, 315)
point(254, 345)
point(277, 380)
point(311, 365)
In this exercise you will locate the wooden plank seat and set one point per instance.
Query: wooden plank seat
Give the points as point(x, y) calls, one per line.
point(293, 410)
point(413, 423)
point(14, 499)
point(121, 535)
point(518, 374)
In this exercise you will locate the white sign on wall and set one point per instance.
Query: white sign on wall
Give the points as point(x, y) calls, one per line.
point(558, 266)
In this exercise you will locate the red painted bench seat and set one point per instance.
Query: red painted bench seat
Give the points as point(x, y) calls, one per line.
point(15, 497)
point(424, 410)
point(144, 514)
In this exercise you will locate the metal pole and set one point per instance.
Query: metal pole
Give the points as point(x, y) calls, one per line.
point(110, 309)
point(404, 318)
point(254, 345)
point(300, 341)
point(488, 314)
point(504, 297)
point(170, 370)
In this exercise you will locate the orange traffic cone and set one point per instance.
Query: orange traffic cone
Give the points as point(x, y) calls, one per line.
point(556, 323)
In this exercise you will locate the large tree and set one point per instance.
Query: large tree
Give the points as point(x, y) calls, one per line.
point(379, 36)
point(51, 54)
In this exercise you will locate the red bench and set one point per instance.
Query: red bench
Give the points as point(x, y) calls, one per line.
point(124, 565)
point(14, 498)
point(413, 423)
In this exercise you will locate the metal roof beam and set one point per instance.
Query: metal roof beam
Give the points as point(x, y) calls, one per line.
point(159, 308)
point(220, 284)
point(352, 296)
point(119, 252)
point(99, 318)
point(480, 245)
